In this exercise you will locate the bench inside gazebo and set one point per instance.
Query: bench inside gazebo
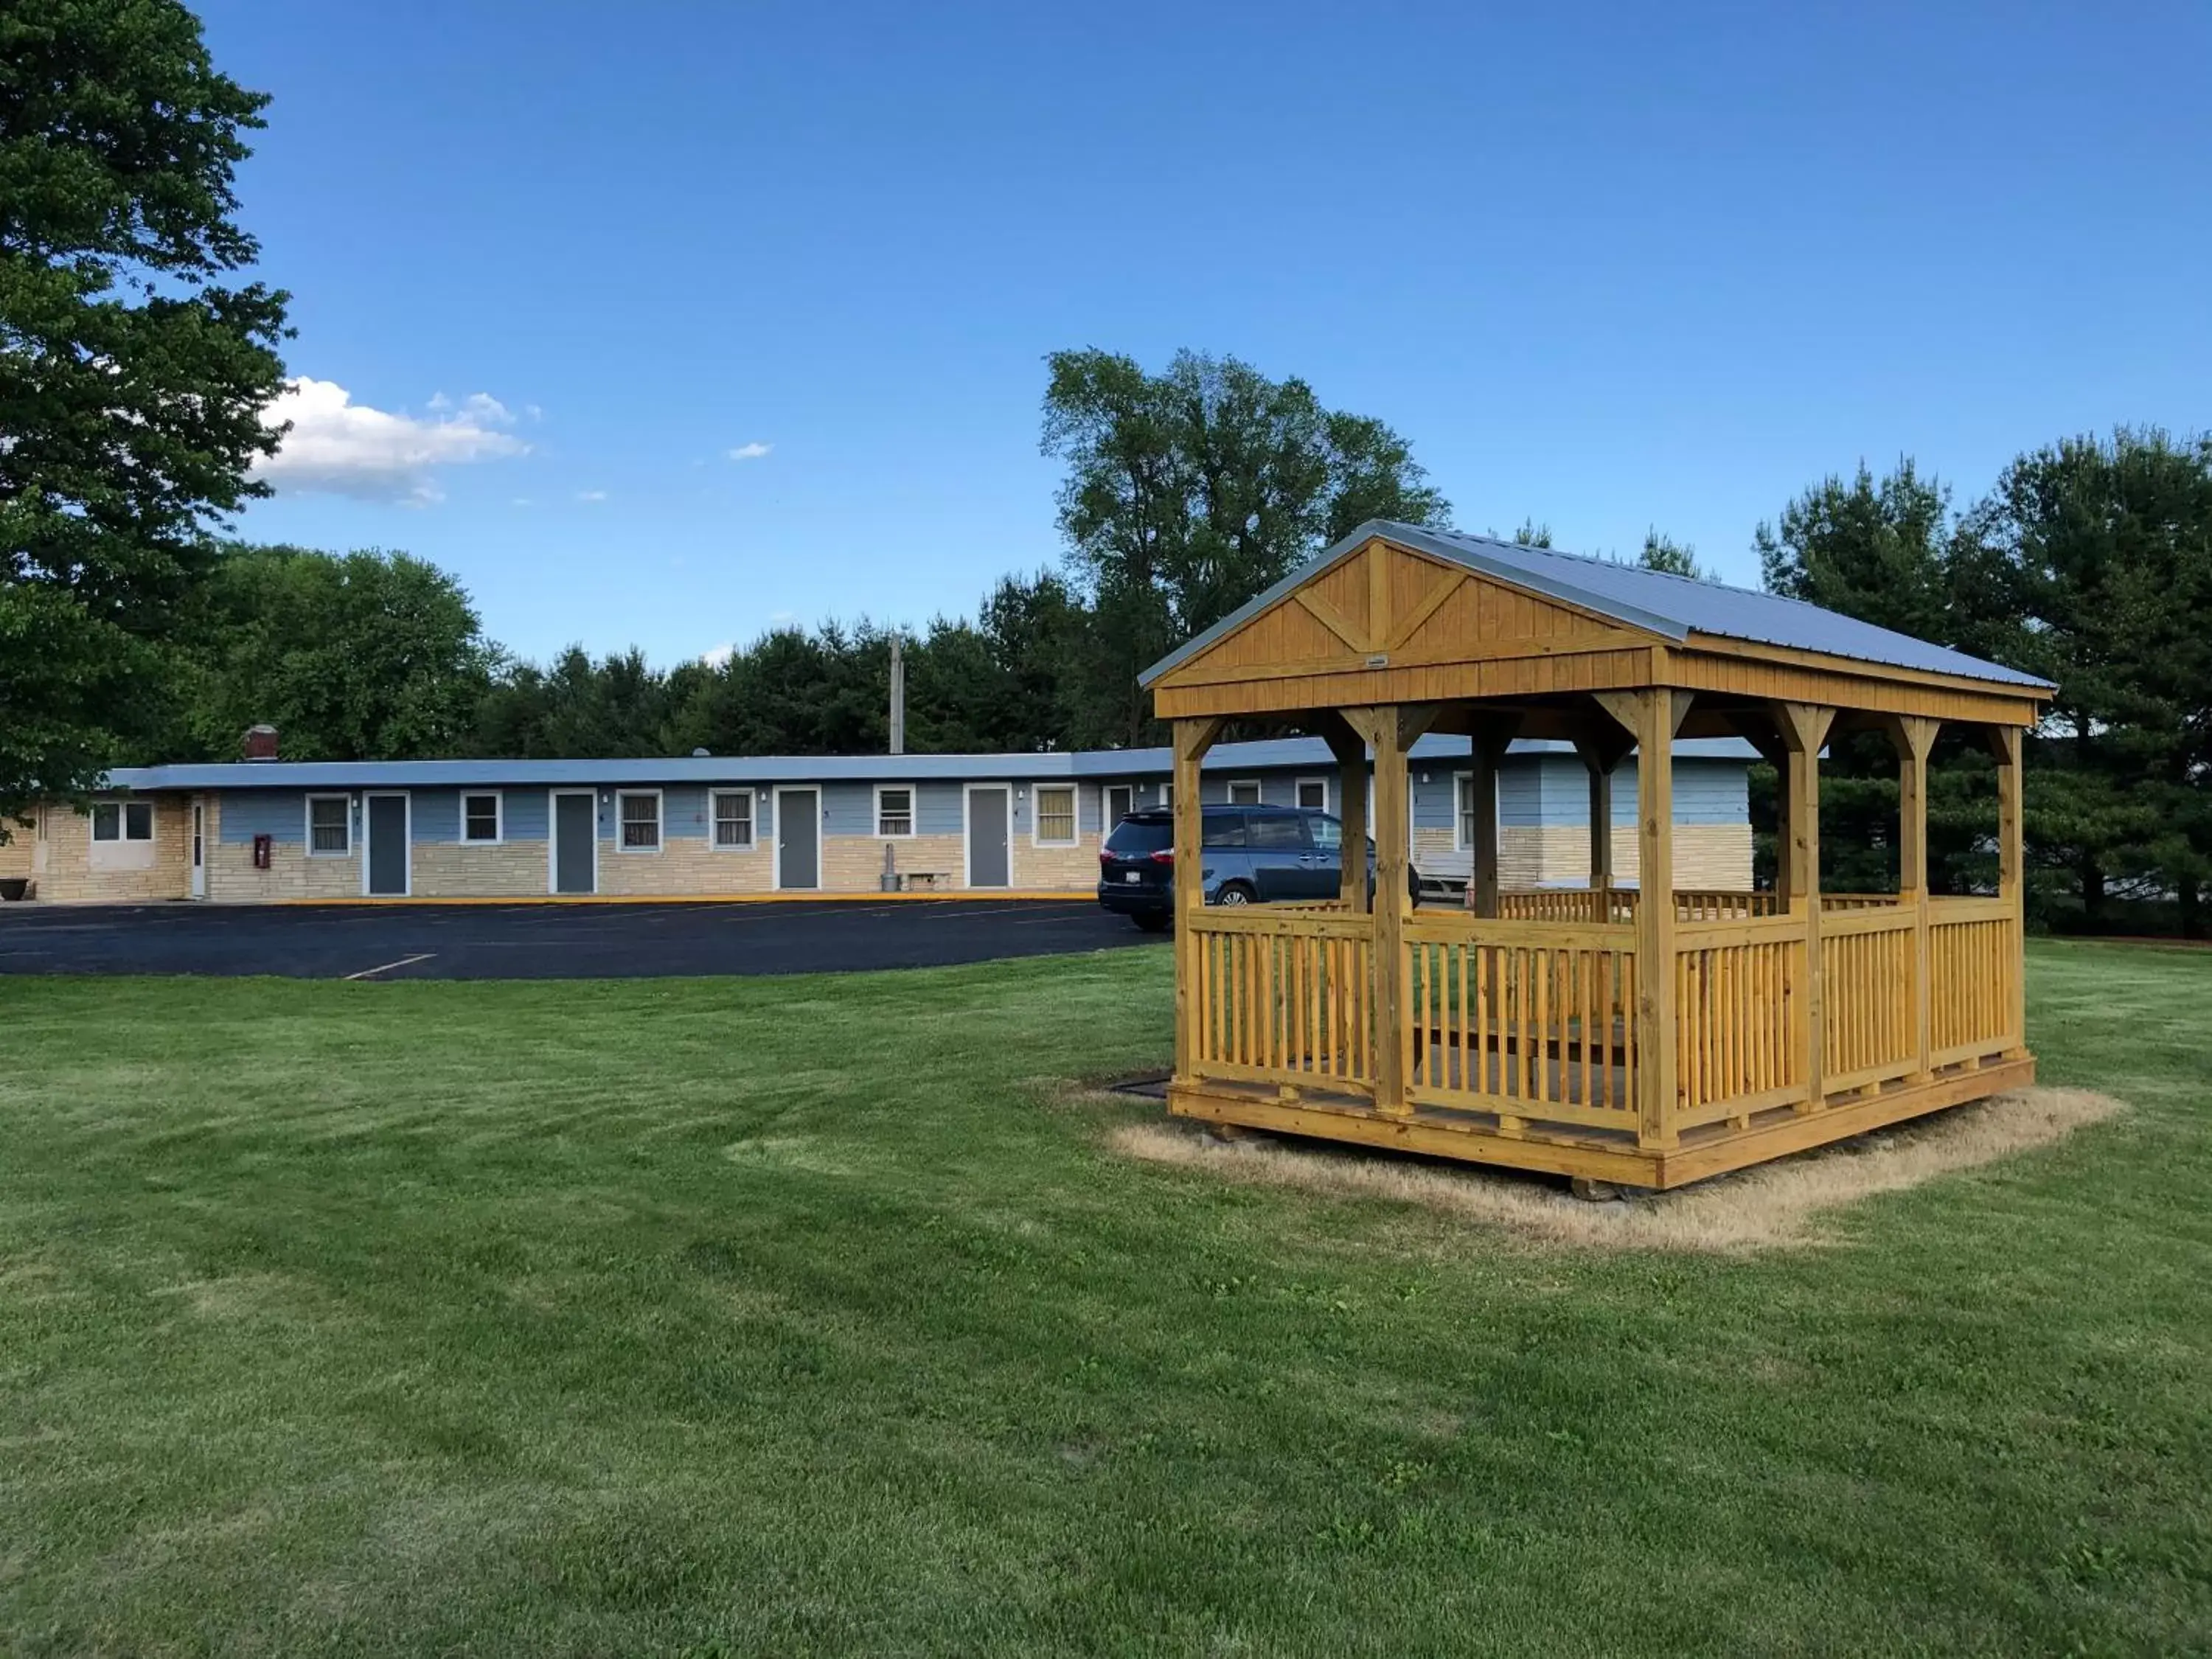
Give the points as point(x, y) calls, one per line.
point(1590, 1032)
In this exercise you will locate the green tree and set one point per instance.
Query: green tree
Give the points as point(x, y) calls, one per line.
point(2104, 550)
point(132, 372)
point(358, 656)
point(1191, 490)
point(1665, 553)
point(1883, 551)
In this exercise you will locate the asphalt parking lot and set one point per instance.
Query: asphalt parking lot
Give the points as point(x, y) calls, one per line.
point(546, 941)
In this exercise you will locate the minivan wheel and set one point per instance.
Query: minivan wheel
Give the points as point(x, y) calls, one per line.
point(1235, 892)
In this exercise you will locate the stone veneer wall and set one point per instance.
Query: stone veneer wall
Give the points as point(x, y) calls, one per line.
point(62, 868)
point(855, 864)
point(508, 869)
point(1056, 868)
point(685, 865)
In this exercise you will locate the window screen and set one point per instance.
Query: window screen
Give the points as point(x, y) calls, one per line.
point(330, 822)
point(1313, 793)
point(480, 817)
point(1055, 814)
point(641, 822)
point(733, 818)
point(1245, 793)
point(894, 811)
point(138, 820)
point(107, 821)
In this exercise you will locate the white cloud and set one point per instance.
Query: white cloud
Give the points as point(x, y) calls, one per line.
point(591, 494)
point(344, 448)
point(752, 452)
point(718, 656)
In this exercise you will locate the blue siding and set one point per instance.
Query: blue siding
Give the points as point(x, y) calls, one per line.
point(936, 809)
point(436, 815)
point(848, 809)
point(684, 811)
point(525, 812)
point(281, 814)
point(1432, 800)
point(1090, 810)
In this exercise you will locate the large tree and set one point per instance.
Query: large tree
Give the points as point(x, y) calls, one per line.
point(359, 656)
point(2104, 548)
point(1883, 550)
point(133, 370)
point(1190, 491)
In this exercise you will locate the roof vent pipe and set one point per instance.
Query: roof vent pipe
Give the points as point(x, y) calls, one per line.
point(260, 743)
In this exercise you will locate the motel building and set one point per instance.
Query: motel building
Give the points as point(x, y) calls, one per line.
point(266, 830)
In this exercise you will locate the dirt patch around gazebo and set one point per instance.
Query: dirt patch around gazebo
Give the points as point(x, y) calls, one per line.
point(1772, 1205)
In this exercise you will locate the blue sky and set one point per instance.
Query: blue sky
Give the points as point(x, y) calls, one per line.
point(1612, 268)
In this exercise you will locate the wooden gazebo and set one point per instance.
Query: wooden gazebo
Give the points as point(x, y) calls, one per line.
point(1638, 1033)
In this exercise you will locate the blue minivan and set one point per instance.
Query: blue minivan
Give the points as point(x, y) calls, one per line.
point(1251, 855)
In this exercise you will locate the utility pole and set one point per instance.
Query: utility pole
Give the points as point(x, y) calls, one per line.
point(898, 696)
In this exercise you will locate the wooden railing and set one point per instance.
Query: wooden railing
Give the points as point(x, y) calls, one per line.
point(1277, 998)
point(1587, 904)
point(1973, 972)
point(1530, 1020)
point(1869, 1013)
point(1737, 987)
point(1535, 1019)
point(1858, 901)
point(1731, 906)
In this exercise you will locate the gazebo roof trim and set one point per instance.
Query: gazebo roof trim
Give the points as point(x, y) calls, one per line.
point(1656, 601)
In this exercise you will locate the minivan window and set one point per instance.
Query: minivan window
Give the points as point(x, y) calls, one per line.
point(1136, 837)
point(1224, 829)
point(1277, 834)
point(1327, 833)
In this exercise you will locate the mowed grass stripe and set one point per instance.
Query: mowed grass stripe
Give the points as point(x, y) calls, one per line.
point(813, 1315)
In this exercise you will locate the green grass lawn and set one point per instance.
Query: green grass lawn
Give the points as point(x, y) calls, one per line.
point(735, 1316)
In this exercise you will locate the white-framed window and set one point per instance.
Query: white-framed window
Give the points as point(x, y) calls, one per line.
point(894, 809)
point(1121, 800)
point(480, 816)
point(733, 811)
point(1244, 792)
point(330, 826)
point(123, 820)
point(1167, 797)
point(1313, 793)
point(1467, 828)
point(1055, 822)
point(637, 812)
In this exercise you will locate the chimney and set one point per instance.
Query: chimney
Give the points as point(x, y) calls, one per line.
point(898, 697)
point(261, 743)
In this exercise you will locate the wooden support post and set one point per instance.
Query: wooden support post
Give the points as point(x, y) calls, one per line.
point(1349, 747)
point(1913, 737)
point(2012, 864)
point(1390, 732)
point(1602, 745)
point(1490, 736)
point(1776, 754)
point(1657, 722)
point(1804, 729)
point(1192, 738)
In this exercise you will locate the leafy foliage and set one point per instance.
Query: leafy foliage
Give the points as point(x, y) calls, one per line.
point(132, 374)
point(1191, 490)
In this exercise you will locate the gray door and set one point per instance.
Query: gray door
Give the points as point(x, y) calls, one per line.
point(987, 838)
point(387, 845)
point(575, 823)
point(798, 823)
